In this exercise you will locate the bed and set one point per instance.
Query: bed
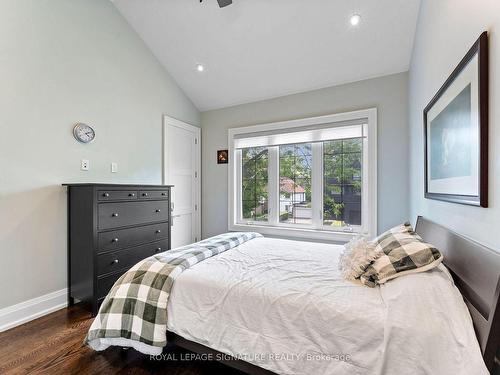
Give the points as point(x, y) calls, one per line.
point(278, 306)
point(265, 306)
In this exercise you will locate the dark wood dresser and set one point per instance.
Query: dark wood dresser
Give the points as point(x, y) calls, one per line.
point(111, 228)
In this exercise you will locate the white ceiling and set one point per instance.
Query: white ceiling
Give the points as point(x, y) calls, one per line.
point(259, 49)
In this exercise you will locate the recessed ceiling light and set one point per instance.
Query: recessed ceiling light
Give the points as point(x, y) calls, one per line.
point(200, 68)
point(355, 18)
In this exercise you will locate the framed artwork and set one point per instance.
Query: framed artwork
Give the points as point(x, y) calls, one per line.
point(222, 157)
point(456, 133)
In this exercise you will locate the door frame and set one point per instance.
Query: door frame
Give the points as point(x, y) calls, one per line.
point(167, 120)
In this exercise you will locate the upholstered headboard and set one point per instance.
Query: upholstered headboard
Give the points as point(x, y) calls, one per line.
point(476, 271)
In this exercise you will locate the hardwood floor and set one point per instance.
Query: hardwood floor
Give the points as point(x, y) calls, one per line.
point(53, 345)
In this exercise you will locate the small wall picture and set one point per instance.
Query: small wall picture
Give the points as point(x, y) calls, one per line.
point(222, 157)
point(456, 133)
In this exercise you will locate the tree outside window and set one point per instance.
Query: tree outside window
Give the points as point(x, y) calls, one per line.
point(254, 183)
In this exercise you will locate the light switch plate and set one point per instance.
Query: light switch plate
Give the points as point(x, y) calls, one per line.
point(85, 166)
point(114, 167)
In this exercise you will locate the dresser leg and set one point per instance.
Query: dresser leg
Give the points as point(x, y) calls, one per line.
point(94, 309)
point(71, 301)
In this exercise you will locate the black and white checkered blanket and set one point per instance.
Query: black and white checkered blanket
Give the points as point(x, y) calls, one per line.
point(134, 313)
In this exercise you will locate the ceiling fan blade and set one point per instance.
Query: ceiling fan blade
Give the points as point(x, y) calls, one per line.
point(223, 3)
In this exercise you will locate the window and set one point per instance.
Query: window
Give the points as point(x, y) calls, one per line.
point(254, 184)
point(342, 171)
point(310, 178)
point(295, 165)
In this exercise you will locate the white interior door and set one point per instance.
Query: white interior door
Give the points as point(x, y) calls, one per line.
point(181, 169)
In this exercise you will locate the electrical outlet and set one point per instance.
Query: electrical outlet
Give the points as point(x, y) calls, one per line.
point(114, 167)
point(85, 166)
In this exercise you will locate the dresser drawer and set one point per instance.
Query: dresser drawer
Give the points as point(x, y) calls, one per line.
point(121, 238)
point(104, 284)
point(153, 194)
point(124, 259)
point(115, 195)
point(114, 215)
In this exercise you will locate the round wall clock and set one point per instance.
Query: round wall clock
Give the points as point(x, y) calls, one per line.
point(83, 133)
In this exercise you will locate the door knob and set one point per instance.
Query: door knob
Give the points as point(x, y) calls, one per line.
point(116, 261)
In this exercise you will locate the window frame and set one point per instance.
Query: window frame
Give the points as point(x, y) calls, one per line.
point(317, 231)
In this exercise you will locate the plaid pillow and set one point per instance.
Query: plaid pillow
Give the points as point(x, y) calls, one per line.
point(403, 252)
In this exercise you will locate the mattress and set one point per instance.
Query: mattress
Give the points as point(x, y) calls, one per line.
point(284, 306)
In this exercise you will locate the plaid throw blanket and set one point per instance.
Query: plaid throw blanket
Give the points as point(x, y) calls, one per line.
point(134, 313)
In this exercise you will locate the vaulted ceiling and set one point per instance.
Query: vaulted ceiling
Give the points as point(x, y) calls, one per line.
point(259, 49)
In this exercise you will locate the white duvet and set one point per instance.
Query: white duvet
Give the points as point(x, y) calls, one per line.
point(283, 305)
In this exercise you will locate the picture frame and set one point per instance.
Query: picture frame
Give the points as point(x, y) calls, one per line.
point(222, 157)
point(456, 133)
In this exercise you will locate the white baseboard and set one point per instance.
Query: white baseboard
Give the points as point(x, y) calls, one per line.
point(26, 311)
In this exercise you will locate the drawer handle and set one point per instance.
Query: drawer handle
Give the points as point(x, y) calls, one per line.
point(144, 194)
point(158, 249)
point(158, 210)
point(158, 231)
point(116, 261)
point(164, 194)
point(114, 214)
point(105, 195)
point(131, 195)
point(114, 240)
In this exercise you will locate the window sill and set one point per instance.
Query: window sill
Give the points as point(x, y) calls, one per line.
point(295, 233)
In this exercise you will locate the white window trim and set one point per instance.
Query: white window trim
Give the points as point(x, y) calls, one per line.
point(369, 206)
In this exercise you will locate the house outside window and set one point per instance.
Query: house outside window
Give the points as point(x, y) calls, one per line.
point(312, 178)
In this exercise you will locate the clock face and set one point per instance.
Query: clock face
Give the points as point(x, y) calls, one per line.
point(83, 133)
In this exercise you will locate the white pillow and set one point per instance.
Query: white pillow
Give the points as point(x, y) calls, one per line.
point(358, 254)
